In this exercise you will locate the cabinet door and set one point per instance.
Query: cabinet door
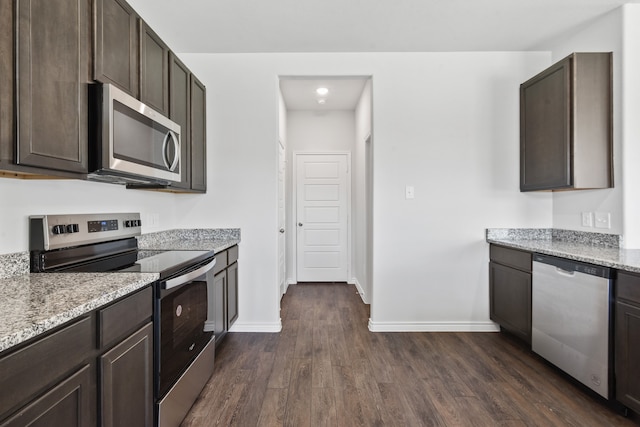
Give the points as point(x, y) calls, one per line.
point(198, 135)
point(179, 112)
point(154, 70)
point(220, 303)
point(627, 355)
point(232, 294)
point(116, 45)
point(53, 51)
point(7, 135)
point(69, 404)
point(510, 299)
point(127, 381)
point(545, 134)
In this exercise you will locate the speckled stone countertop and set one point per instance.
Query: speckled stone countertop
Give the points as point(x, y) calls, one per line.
point(595, 248)
point(216, 240)
point(31, 304)
point(35, 303)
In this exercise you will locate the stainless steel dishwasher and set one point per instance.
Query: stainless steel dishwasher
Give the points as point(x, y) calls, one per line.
point(571, 319)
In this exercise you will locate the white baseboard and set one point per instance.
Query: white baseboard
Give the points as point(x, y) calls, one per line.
point(354, 281)
point(257, 327)
point(433, 326)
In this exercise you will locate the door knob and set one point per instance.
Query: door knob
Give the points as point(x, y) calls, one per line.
point(282, 230)
point(299, 224)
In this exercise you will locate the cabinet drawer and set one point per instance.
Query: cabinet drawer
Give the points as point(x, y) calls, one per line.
point(511, 257)
point(124, 317)
point(628, 287)
point(233, 254)
point(28, 371)
point(221, 262)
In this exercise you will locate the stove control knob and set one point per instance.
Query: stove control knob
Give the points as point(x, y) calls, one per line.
point(72, 228)
point(58, 229)
point(138, 223)
point(127, 223)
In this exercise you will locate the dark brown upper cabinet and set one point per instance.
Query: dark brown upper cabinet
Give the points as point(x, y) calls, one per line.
point(116, 45)
point(566, 125)
point(198, 135)
point(154, 70)
point(180, 112)
point(7, 41)
point(53, 72)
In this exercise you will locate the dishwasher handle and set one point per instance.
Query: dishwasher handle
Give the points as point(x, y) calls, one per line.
point(571, 266)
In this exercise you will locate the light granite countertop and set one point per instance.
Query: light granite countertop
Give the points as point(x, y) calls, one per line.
point(593, 248)
point(35, 303)
point(216, 240)
point(31, 304)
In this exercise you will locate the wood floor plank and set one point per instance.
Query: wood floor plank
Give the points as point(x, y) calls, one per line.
point(327, 368)
point(273, 407)
point(298, 411)
point(349, 410)
point(323, 407)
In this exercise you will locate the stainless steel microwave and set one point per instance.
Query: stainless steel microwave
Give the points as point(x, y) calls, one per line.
point(131, 143)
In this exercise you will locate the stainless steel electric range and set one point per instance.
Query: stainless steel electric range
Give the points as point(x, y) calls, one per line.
point(183, 338)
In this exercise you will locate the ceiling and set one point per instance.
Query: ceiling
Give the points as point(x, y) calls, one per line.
point(218, 26)
point(261, 26)
point(299, 93)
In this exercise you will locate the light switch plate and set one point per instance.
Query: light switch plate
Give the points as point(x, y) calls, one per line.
point(409, 192)
point(603, 220)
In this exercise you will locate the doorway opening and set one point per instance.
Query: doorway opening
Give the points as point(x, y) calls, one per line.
point(325, 128)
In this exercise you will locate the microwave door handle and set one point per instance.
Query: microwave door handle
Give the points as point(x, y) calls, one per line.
point(181, 280)
point(171, 164)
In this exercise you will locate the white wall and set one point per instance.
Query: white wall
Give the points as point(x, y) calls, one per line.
point(603, 35)
point(364, 114)
point(630, 123)
point(282, 120)
point(21, 198)
point(318, 131)
point(446, 123)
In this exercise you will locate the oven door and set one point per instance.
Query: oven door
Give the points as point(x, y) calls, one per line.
point(180, 324)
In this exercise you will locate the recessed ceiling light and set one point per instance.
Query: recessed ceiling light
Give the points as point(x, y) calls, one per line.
point(322, 101)
point(322, 91)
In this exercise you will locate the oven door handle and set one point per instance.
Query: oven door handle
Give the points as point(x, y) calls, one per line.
point(181, 280)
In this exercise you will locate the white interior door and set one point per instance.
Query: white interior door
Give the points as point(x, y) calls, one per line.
point(282, 168)
point(322, 217)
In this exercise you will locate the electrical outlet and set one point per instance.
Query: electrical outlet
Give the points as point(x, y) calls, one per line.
point(587, 219)
point(603, 220)
point(152, 220)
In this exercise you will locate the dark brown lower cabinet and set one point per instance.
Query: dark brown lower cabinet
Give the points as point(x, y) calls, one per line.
point(232, 294)
point(220, 303)
point(510, 290)
point(67, 404)
point(225, 294)
point(627, 340)
point(127, 381)
point(97, 367)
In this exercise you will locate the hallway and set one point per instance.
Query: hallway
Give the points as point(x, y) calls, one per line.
point(326, 369)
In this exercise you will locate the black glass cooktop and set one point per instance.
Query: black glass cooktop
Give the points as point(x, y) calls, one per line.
point(168, 263)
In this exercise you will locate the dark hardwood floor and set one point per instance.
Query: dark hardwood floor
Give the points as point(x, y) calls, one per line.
point(326, 369)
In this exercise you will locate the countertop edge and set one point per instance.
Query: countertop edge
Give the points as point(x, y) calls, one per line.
point(611, 257)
